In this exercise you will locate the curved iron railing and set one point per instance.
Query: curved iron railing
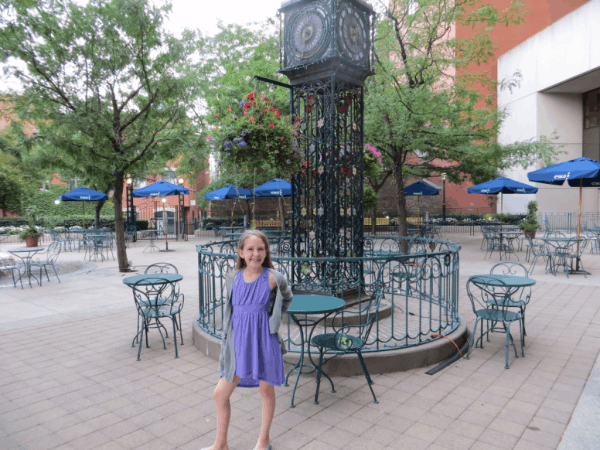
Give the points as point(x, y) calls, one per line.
point(420, 285)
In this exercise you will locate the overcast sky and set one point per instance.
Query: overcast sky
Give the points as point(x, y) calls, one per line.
point(204, 14)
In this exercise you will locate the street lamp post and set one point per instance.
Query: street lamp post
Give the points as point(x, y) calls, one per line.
point(181, 208)
point(444, 177)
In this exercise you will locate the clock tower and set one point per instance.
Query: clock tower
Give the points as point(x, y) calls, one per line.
point(327, 55)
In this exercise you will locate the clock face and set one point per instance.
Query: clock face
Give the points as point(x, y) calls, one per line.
point(352, 34)
point(306, 34)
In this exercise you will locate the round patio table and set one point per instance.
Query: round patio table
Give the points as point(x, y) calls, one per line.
point(26, 254)
point(151, 279)
point(305, 305)
point(561, 244)
point(510, 236)
point(148, 279)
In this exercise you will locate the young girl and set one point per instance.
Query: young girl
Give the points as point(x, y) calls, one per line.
point(251, 348)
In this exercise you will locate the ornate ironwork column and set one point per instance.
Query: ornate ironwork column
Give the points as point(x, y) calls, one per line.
point(326, 54)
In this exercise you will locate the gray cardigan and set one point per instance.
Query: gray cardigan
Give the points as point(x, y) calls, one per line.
point(278, 305)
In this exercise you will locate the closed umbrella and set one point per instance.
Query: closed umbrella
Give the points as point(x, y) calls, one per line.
point(83, 194)
point(502, 185)
point(161, 189)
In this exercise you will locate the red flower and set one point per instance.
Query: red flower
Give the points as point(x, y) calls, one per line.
point(282, 138)
point(216, 115)
point(229, 109)
point(276, 111)
point(262, 96)
point(252, 119)
point(341, 109)
point(298, 117)
point(249, 105)
point(271, 125)
point(250, 96)
point(245, 113)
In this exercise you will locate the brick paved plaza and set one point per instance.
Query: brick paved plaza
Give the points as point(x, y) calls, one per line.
point(69, 378)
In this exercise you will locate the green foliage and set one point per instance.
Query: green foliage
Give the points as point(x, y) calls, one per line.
point(30, 230)
point(253, 136)
point(370, 198)
point(44, 202)
point(530, 224)
point(107, 87)
point(415, 107)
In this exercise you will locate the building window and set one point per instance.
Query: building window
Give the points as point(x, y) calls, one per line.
point(591, 109)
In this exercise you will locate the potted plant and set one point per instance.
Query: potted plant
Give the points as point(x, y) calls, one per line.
point(530, 224)
point(30, 234)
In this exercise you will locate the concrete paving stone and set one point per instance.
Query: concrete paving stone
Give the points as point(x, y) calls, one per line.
point(477, 418)
point(409, 443)
point(528, 445)
point(424, 432)
point(337, 438)
point(75, 431)
point(135, 439)
point(91, 441)
point(544, 438)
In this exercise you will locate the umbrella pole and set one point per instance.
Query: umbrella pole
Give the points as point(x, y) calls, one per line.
point(579, 223)
point(501, 209)
point(83, 204)
point(419, 213)
point(165, 227)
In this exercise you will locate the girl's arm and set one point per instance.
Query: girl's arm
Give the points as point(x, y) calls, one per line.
point(286, 294)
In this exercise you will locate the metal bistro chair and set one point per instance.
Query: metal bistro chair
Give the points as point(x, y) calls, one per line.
point(51, 256)
point(8, 265)
point(481, 295)
point(515, 269)
point(159, 268)
point(342, 342)
point(155, 299)
point(577, 252)
point(130, 234)
point(539, 249)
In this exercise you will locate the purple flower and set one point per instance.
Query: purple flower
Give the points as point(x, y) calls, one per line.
point(242, 144)
point(227, 144)
point(242, 103)
point(227, 154)
point(237, 139)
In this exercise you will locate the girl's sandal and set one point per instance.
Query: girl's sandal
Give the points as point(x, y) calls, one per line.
point(256, 448)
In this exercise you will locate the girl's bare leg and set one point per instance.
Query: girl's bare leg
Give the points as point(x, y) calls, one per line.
point(222, 395)
point(268, 411)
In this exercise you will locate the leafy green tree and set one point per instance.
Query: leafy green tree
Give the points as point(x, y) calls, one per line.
point(426, 99)
point(106, 85)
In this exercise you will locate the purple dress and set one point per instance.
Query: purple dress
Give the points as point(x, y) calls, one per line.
point(257, 353)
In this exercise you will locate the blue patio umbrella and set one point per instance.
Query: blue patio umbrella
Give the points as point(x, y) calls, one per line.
point(161, 189)
point(502, 185)
point(83, 194)
point(274, 188)
point(579, 172)
point(229, 192)
point(420, 189)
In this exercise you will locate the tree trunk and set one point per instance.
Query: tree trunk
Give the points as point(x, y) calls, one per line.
point(281, 213)
point(373, 220)
point(99, 206)
point(401, 202)
point(119, 225)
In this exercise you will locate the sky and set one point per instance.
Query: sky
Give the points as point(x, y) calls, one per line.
point(204, 14)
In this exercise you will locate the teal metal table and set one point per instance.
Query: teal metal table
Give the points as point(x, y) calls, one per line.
point(26, 254)
point(510, 236)
point(561, 252)
point(305, 305)
point(148, 279)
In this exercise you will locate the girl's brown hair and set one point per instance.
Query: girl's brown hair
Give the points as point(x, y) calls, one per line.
point(241, 263)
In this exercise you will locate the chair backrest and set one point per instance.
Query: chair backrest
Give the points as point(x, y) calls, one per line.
point(484, 291)
point(555, 234)
point(161, 268)
point(154, 293)
point(368, 314)
point(509, 268)
point(53, 252)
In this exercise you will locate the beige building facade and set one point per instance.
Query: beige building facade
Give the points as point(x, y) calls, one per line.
point(559, 94)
